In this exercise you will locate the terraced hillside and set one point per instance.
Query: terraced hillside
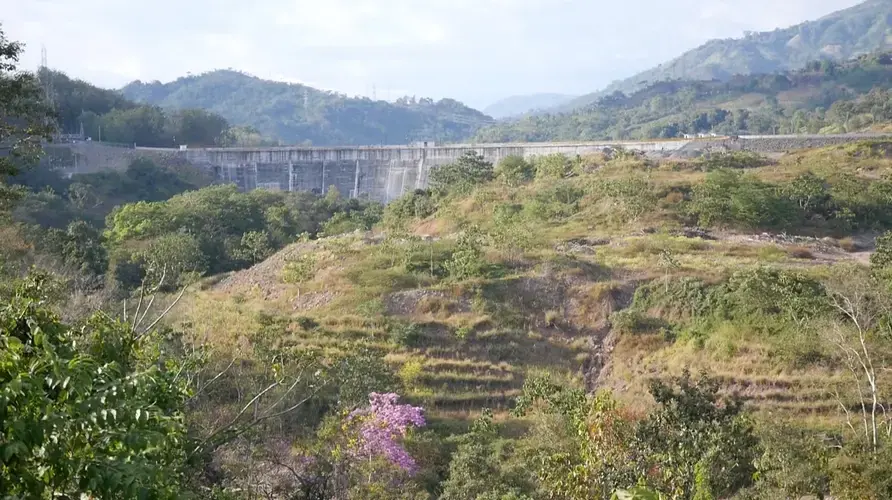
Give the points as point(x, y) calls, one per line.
point(605, 272)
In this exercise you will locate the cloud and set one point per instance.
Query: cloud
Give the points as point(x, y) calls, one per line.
point(473, 50)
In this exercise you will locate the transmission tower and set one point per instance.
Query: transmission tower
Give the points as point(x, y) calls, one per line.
point(46, 80)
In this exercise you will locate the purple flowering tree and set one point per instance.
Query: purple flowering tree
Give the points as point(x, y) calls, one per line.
point(381, 428)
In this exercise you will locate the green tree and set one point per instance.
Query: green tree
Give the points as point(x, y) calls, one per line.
point(478, 467)
point(94, 410)
point(175, 259)
point(467, 260)
point(515, 170)
point(698, 442)
point(462, 176)
point(27, 120)
point(255, 246)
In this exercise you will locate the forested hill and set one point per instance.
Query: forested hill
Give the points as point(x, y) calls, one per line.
point(842, 35)
point(296, 113)
point(109, 116)
point(824, 97)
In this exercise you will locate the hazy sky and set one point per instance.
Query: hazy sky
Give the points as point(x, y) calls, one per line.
point(476, 51)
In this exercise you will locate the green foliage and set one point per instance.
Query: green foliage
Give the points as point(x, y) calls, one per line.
point(416, 205)
point(882, 255)
point(255, 246)
point(477, 467)
point(810, 193)
point(405, 334)
point(699, 442)
point(235, 229)
point(299, 270)
point(629, 197)
point(173, 260)
point(555, 166)
point(93, 410)
point(462, 176)
point(728, 197)
point(794, 463)
point(586, 452)
point(558, 201)
point(467, 260)
point(511, 232)
point(354, 220)
point(515, 170)
point(26, 120)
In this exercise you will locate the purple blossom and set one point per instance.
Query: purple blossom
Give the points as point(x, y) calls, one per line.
point(383, 423)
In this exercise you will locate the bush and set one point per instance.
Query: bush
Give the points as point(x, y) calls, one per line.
point(467, 259)
point(515, 170)
point(405, 334)
point(461, 177)
point(418, 204)
point(299, 270)
point(555, 166)
point(729, 198)
point(629, 197)
point(556, 202)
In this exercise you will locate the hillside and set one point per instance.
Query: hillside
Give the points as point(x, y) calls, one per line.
point(601, 272)
point(296, 113)
point(861, 29)
point(823, 97)
point(521, 104)
point(107, 115)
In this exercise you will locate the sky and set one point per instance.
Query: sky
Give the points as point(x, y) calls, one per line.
point(476, 51)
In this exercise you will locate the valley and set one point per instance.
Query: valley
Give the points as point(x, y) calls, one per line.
point(225, 287)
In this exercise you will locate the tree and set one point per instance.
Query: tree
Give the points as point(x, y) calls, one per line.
point(95, 410)
point(26, 120)
point(699, 444)
point(515, 170)
point(255, 246)
point(477, 468)
point(462, 176)
point(173, 258)
point(467, 260)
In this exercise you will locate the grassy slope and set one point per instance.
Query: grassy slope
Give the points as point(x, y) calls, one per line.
point(546, 309)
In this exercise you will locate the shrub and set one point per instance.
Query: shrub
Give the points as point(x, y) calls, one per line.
point(629, 197)
point(728, 197)
point(405, 334)
point(418, 204)
point(299, 270)
point(467, 259)
point(461, 177)
point(558, 201)
point(555, 166)
point(176, 257)
point(515, 170)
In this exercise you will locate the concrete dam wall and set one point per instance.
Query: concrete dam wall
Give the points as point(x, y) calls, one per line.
point(381, 173)
point(384, 173)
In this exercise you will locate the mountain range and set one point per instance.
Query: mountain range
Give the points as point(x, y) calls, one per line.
point(842, 35)
point(665, 100)
point(521, 104)
point(295, 113)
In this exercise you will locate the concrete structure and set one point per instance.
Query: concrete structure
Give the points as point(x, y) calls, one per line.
point(386, 172)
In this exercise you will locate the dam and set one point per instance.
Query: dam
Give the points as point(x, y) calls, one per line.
point(384, 173)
